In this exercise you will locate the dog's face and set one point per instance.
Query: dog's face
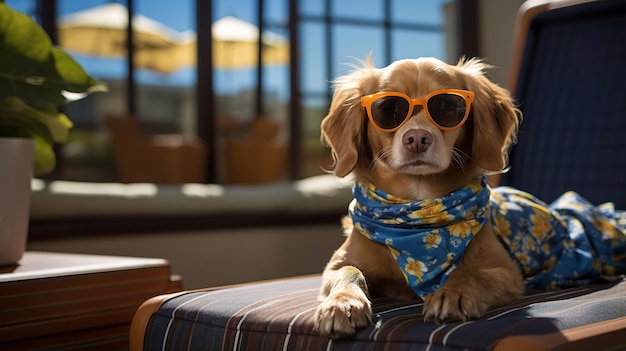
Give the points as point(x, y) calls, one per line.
point(419, 158)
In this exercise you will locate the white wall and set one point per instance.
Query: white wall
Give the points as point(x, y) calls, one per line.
point(497, 21)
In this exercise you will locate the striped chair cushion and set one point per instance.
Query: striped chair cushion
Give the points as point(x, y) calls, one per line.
point(278, 315)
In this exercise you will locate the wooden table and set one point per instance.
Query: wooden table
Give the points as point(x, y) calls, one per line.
point(80, 301)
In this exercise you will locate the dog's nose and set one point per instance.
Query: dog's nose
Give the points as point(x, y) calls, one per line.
point(417, 140)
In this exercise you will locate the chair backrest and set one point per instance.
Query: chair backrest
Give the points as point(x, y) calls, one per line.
point(571, 88)
point(131, 148)
point(124, 127)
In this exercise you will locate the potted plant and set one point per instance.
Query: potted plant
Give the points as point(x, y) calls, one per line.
point(36, 78)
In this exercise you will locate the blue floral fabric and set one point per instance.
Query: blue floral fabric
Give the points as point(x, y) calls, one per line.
point(427, 238)
point(568, 243)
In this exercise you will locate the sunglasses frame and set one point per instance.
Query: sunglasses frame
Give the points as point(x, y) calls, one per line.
point(367, 100)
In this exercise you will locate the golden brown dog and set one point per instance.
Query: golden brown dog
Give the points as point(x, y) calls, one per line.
point(414, 158)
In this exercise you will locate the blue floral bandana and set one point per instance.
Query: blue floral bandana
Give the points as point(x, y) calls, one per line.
point(427, 238)
point(567, 243)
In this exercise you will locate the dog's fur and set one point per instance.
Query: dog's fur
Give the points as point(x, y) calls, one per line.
point(417, 162)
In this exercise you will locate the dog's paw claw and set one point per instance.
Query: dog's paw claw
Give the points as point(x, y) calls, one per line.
point(341, 314)
point(447, 306)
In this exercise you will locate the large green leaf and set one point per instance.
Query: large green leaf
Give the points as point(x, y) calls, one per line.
point(53, 126)
point(32, 68)
point(45, 159)
point(26, 65)
point(33, 77)
point(73, 76)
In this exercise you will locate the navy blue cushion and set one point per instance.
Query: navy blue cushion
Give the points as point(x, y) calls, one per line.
point(572, 92)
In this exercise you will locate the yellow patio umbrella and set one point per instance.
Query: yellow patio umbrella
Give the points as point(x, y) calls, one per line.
point(235, 45)
point(101, 31)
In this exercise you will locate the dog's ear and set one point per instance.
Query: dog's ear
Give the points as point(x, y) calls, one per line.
point(495, 118)
point(344, 124)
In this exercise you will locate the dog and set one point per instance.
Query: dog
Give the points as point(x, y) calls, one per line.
point(419, 136)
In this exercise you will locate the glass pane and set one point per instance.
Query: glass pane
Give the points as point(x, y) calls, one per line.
point(347, 50)
point(87, 156)
point(421, 44)
point(276, 95)
point(165, 66)
point(317, 158)
point(418, 12)
point(28, 7)
point(87, 46)
point(246, 10)
point(361, 9)
point(313, 58)
point(276, 91)
point(315, 86)
point(164, 61)
point(252, 144)
point(276, 12)
point(311, 8)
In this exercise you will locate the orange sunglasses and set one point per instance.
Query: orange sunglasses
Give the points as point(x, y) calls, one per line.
point(447, 109)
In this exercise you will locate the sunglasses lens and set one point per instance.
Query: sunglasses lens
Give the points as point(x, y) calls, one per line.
point(390, 111)
point(448, 110)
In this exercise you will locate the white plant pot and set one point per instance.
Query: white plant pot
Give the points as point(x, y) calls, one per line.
point(16, 171)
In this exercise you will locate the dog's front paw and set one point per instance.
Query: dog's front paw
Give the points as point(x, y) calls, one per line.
point(450, 305)
point(343, 312)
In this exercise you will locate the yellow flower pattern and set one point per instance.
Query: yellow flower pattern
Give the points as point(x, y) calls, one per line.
point(427, 238)
point(416, 268)
point(432, 239)
point(463, 229)
point(567, 243)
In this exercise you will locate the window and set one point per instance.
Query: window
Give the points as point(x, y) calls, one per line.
point(162, 94)
point(331, 35)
